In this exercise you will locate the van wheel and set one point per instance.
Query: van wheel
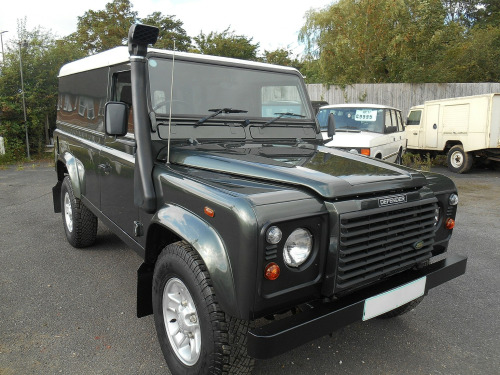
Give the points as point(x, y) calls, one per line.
point(195, 335)
point(459, 161)
point(80, 224)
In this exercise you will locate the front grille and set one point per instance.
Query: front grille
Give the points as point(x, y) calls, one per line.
point(382, 241)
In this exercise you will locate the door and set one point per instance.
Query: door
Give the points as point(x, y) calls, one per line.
point(431, 126)
point(413, 128)
point(116, 166)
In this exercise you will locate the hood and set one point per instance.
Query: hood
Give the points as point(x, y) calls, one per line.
point(352, 139)
point(328, 172)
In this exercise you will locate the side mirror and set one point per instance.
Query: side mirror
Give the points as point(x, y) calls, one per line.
point(116, 118)
point(331, 125)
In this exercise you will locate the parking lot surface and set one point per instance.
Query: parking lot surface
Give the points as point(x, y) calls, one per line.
point(72, 311)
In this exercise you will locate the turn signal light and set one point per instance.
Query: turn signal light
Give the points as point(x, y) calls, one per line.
point(365, 151)
point(272, 271)
point(450, 223)
point(209, 212)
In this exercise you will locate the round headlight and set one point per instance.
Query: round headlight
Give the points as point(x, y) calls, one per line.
point(453, 199)
point(273, 235)
point(297, 247)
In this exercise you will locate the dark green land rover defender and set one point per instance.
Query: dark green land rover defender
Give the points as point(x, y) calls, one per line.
point(213, 171)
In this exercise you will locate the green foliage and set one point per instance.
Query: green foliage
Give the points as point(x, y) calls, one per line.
point(227, 44)
point(170, 29)
point(100, 30)
point(104, 29)
point(417, 161)
point(368, 41)
point(42, 56)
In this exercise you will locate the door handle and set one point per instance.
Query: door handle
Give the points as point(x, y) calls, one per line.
point(415, 133)
point(106, 168)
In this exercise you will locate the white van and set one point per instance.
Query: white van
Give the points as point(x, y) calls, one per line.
point(369, 129)
point(465, 128)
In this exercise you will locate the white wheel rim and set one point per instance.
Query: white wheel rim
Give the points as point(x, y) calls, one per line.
point(181, 321)
point(68, 212)
point(457, 159)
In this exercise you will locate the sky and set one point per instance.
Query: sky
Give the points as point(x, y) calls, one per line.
point(272, 23)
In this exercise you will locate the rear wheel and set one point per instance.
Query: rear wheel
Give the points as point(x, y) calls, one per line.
point(459, 161)
point(195, 335)
point(80, 224)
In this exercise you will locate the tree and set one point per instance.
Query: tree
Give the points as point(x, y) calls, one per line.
point(170, 29)
point(104, 29)
point(227, 44)
point(368, 41)
point(42, 58)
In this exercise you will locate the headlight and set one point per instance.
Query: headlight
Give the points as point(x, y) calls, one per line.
point(273, 235)
point(297, 247)
point(453, 199)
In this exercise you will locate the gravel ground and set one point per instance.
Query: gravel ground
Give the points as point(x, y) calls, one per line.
point(69, 311)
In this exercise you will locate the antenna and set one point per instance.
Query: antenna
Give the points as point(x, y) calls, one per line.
point(170, 110)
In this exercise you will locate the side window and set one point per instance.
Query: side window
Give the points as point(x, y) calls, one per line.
point(389, 128)
point(414, 118)
point(122, 92)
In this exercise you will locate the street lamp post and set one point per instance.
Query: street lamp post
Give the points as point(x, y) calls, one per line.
point(24, 44)
point(1, 40)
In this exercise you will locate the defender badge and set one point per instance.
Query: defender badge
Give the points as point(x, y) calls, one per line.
point(392, 199)
point(418, 245)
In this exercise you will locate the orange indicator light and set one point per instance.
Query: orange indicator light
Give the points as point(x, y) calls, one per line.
point(272, 271)
point(365, 151)
point(450, 223)
point(208, 211)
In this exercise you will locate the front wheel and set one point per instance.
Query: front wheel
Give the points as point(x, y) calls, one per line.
point(80, 224)
point(195, 335)
point(459, 161)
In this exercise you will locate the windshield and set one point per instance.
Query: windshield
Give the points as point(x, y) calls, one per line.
point(353, 118)
point(201, 87)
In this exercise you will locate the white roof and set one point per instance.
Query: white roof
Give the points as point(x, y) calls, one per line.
point(357, 105)
point(120, 55)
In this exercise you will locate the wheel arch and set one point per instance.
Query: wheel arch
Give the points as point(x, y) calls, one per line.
point(75, 170)
point(449, 144)
point(173, 223)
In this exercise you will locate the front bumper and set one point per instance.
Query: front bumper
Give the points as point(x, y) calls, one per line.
point(288, 333)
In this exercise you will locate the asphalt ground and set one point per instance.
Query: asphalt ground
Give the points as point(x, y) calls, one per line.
point(69, 311)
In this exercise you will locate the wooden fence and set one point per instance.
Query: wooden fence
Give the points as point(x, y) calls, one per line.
point(399, 95)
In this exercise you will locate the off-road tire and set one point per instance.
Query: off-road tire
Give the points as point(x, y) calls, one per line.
point(80, 224)
point(458, 160)
point(223, 338)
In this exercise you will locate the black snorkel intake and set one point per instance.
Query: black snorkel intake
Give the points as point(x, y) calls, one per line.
point(139, 37)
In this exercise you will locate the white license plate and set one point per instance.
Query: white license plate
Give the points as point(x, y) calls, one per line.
point(387, 301)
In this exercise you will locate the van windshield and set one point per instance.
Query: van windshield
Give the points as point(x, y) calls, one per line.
point(201, 87)
point(353, 118)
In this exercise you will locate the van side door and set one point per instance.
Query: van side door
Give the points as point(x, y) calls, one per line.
point(117, 162)
point(413, 128)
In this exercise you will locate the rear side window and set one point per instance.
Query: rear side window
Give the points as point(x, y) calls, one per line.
point(414, 118)
point(81, 99)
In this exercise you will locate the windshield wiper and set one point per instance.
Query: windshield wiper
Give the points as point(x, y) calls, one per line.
point(281, 114)
point(218, 111)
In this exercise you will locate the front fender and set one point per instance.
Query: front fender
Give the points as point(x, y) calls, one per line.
point(76, 172)
point(209, 245)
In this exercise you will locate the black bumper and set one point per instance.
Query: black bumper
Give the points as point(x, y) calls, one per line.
point(288, 333)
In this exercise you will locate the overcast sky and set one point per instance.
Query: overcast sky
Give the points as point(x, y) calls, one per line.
point(272, 23)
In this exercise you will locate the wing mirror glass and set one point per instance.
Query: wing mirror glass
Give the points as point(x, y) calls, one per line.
point(116, 118)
